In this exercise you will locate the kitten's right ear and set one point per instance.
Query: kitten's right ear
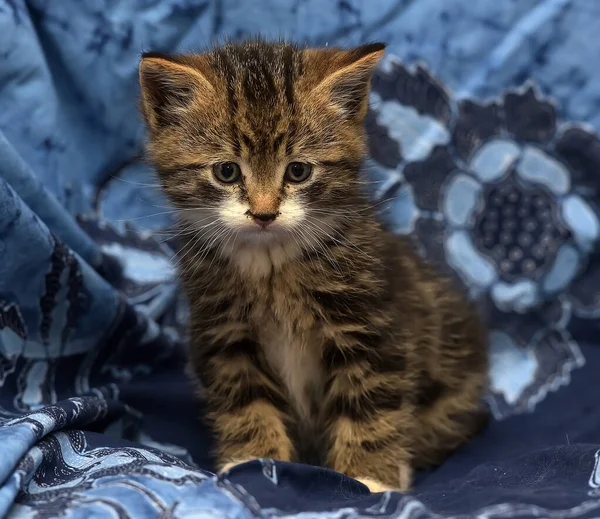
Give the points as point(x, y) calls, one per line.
point(169, 84)
point(346, 77)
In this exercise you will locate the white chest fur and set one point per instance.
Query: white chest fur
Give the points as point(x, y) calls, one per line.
point(297, 362)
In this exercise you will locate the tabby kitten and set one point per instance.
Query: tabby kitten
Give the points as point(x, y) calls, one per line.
point(318, 335)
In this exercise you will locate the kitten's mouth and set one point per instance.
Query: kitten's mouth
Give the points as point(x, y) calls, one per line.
point(262, 227)
point(262, 234)
point(256, 230)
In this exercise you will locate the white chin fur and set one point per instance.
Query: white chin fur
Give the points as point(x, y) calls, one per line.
point(260, 253)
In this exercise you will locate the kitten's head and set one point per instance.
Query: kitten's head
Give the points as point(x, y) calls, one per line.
point(259, 141)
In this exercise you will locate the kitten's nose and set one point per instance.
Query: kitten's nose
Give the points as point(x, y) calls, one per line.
point(264, 219)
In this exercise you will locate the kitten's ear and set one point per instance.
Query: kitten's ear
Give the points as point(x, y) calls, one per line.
point(169, 84)
point(348, 78)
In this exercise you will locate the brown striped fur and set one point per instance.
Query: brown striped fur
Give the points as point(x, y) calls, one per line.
point(323, 338)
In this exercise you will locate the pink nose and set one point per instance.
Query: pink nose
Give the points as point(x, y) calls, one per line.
point(264, 219)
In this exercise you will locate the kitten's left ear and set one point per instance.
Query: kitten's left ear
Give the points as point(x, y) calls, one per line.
point(347, 84)
point(169, 85)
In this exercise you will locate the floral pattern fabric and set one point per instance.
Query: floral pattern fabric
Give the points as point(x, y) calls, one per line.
point(503, 197)
point(484, 147)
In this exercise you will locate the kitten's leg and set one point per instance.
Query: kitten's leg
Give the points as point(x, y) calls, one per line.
point(368, 423)
point(371, 451)
point(449, 406)
point(446, 424)
point(246, 408)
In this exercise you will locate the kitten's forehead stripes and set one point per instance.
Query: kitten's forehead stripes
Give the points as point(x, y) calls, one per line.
point(277, 142)
point(260, 80)
point(248, 143)
point(288, 73)
point(257, 68)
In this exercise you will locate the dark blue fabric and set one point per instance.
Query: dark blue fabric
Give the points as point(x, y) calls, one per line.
point(483, 146)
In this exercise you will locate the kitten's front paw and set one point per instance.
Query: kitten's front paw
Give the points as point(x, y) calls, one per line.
point(404, 481)
point(230, 464)
point(374, 486)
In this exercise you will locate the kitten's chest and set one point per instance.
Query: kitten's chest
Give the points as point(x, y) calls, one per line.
point(296, 360)
point(291, 339)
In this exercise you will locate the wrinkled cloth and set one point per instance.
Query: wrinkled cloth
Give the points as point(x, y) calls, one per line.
point(484, 147)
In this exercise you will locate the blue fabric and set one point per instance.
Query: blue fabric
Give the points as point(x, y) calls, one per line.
point(484, 146)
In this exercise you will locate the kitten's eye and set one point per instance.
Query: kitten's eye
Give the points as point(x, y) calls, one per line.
point(298, 172)
point(227, 172)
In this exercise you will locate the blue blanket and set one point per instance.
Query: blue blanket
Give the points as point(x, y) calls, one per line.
point(483, 146)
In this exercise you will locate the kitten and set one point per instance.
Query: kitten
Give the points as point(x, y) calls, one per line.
point(317, 334)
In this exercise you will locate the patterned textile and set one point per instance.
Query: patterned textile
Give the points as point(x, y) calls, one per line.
point(484, 147)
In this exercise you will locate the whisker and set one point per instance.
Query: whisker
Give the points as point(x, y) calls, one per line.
point(347, 242)
point(324, 250)
point(221, 247)
point(208, 247)
point(146, 216)
point(141, 184)
point(189, 230)
point(195, 242)
point(299, 233)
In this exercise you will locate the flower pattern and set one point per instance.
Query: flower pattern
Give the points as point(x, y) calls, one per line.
point(500, 196)
point(515, 227)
